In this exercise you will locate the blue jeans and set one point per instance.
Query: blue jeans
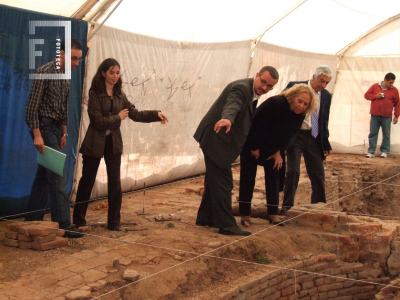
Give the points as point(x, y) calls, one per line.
point(375, 124)
point(49, 183)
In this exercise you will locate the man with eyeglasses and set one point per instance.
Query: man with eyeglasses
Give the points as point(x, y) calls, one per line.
point(312, 141)
point(222, 134)
point(46, 114)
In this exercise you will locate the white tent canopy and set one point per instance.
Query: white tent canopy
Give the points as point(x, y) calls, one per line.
point(178, 55)
point(328, 25)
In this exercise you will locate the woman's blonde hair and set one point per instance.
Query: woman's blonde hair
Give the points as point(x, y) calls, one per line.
point(298, 89)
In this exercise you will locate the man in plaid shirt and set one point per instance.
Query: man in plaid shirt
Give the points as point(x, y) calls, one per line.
point(46, 114)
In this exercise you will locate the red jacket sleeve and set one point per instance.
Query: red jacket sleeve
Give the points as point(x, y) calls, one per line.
point(371, 93)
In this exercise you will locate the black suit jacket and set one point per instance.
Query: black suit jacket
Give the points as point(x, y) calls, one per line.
point(273, 127)
point(323, 120)
point(236, 104)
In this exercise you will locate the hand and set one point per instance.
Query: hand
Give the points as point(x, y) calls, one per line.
point(39, 144)
point(63, 142)
point(278, 160)
point(255, 153)
point(163, 118)
point(378, 96)
point(223, 123)
point(327, 153)
point(395, 120)
point(123, 114)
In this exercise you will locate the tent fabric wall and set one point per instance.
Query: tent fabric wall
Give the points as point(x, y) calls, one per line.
point(182, 79)
point(365, 63)
point(18, 156)
point(292, 65)
point(349, 118)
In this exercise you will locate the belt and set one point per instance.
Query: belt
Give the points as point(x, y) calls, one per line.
point(51, 120)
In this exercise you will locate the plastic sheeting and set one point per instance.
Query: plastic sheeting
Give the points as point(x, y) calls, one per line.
point(18, 156)
point(182, 79)
point(365, 63)
point(292, 65)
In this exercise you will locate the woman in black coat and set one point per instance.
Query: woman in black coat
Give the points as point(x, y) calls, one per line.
point(276, 122)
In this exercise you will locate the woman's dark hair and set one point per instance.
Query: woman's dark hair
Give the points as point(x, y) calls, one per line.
point(98, 82)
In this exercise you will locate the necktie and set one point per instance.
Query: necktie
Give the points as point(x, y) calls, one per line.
point(314, 123)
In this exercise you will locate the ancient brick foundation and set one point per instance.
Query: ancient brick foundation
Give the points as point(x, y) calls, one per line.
point(318, 278)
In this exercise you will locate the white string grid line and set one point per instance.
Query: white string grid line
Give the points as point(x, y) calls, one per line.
point(238, 240)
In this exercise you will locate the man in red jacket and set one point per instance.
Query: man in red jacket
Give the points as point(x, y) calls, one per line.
point(383, 96)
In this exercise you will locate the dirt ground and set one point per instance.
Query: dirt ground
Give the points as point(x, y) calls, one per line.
point(178, 260)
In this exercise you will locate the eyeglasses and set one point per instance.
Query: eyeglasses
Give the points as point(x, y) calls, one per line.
point(78, 59)
point(265, 83)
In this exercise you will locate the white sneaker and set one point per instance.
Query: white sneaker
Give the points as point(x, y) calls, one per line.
point(384, 155)
point(370, 155)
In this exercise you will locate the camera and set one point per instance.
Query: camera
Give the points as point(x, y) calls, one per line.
point(383, 95)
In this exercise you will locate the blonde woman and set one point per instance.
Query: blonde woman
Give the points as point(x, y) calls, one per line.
point(276, 121)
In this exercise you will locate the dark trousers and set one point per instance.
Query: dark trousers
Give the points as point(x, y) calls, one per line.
point(89, 172)
point(216, 205)
point(48, 183)
point(248, 171)
point(313, 158)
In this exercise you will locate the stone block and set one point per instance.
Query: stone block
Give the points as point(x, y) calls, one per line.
point(25, 245)
point(356, 290)
point(307, 285)
point(319, 281)
point(333, 294)
point(329, 280)
point(131, 275)
point(72, 282)
point(45, 239)
point(85, 254)
point(91, 276)
point(233, 292)
point(78, 294)
point(12, 235)
point(13, 226)
point(330, 287)
point(36, 230)
point(11, 242)
point(349, 283)
point(24, 238)
point(57, 243)
point(365, 296)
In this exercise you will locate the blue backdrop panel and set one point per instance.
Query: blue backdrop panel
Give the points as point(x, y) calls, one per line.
point(17, 153)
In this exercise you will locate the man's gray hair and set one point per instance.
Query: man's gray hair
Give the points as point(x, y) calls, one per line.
point(322, 70)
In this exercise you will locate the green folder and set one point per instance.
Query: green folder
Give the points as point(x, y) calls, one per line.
point(53, 160)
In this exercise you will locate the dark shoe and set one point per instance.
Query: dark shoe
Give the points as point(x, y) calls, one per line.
point(234, 230)
point(204, 224)
point(276, 223)
point(80, 225)
point(71, 233)
point(246, 223)
point(283, 212)
point(115, 228)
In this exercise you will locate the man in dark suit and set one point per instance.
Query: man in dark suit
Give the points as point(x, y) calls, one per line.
point(222, 134)
point(312, 141)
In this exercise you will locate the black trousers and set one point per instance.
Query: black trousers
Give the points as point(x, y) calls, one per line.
point(307, 145)
point(216, 205)
point(273, 183)
point(89, 172)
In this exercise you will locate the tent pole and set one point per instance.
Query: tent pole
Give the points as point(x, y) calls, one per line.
point(102, 23)
point(84, 9)
point(341, 52)
point(258, 38)
point(101, 5)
